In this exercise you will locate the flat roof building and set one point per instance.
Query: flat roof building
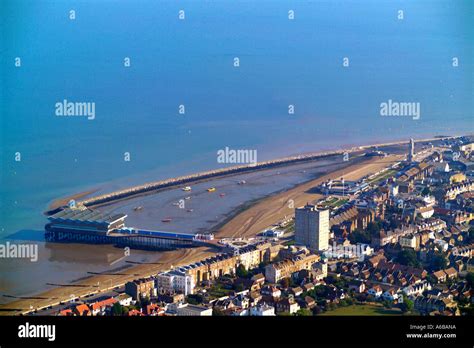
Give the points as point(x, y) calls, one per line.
point(83, 219)
point(312, 227)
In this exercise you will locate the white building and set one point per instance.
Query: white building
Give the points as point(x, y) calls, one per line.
point(312, 227)
point(175, 281)
point(408, 241)
point(124, 299)
point(417, 289)
point(262, 310)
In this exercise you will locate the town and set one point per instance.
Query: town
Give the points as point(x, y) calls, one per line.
point(398, 242)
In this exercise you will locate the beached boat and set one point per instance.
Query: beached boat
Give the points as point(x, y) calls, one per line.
point(211, 189)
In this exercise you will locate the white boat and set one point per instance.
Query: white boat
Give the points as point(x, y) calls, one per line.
point(187, 188)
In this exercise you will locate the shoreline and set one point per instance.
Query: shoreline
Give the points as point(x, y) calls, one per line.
point(244, 217)
point(158, 186)
point(244, 221)
point(59, 202)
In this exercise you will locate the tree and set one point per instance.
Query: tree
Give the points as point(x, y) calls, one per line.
point(470, 279)
point(359, 236)
point(285, 283)
point(407, 305)
point(470, 234)
point(241, 272)
point(426, 191)
point(117, 309)
point(239, 287)
point(304, 312)
point(217, 312)
point(408, 257)
point(195, 299)
point(438, 261)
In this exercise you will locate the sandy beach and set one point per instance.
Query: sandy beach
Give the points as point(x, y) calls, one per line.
point(275, 208)
point(245, 223)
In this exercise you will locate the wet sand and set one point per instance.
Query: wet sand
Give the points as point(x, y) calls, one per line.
point(246, 223)
point(104, 282)
point(275, 208)
point(65, 200)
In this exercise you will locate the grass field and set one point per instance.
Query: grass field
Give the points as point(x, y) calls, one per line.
point(383, 176)
point(366, 309)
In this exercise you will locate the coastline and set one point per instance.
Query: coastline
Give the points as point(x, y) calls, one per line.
point(245, 222)
point(59, 202)
point(157, 186)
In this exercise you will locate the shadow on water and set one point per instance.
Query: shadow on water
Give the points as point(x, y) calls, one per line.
point(27, 235)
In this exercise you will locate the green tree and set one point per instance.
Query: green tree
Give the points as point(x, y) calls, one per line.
point(407, 305)
point(470, 279)
point(408, 257)
point(304, 312)
point(241, 272)
point(117, 309)
point(217, 312)
point(359, 236)
point(438, 261)
point(470, 235)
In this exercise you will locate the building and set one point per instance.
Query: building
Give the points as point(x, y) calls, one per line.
point(417, 289)
point(101, 307)
point(375, 291)
point(189, 310)
point(263, 310)
point(85, 220)
point(408, 241)
point(411, 150)
point(140, 288)
point(312, 227)
point(284, 269)
point(250, 256)
point(175, 281)
point(390, 295)
point(288, 305)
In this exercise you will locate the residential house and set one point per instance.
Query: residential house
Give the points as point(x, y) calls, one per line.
point(263, 310)
point(287, 305)
point(375, 291)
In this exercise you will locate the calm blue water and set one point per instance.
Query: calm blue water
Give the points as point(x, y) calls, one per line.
point(190, 62)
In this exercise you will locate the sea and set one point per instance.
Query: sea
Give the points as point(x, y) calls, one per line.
point(174, 82)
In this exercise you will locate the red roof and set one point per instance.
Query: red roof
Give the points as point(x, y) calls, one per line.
point(82, 308)
point(105, 303)
point(134, 313)
point(65, 312)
